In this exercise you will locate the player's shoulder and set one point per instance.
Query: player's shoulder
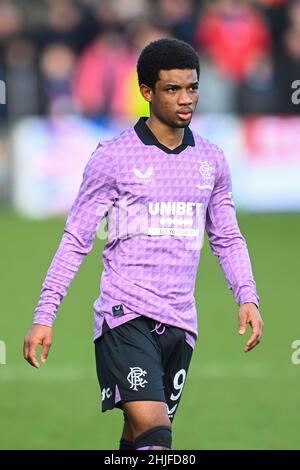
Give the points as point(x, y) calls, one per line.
point(207, 147)
point(210, 154)
point(108, 151)
point(116, 143)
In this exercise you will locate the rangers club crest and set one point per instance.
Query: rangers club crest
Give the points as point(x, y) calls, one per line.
point(206, 176)
point(136, 378)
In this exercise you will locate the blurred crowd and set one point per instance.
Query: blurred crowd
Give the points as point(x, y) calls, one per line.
point(79, 56)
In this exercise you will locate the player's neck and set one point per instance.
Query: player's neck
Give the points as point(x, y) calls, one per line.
point(166, 135)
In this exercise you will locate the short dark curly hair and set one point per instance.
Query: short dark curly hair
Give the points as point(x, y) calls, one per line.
point(165, 54)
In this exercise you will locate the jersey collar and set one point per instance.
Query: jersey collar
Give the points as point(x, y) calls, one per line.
point(148, 138)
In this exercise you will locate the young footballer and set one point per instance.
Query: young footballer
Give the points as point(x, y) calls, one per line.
point(160, 186)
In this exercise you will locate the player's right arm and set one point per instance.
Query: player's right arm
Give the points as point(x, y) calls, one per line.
point(97, 193)
point(37, 335)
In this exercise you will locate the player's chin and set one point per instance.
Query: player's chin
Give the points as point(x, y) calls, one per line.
point(183, 122)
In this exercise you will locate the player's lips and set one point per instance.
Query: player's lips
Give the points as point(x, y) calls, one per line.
point(185, 114)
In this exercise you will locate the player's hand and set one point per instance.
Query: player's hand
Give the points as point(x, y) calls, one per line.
point(38, 334)
point(249, 314)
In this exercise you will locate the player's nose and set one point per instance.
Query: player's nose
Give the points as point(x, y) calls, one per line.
point(185, 98)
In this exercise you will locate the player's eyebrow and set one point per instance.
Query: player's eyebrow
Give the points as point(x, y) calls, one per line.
point(179, 86)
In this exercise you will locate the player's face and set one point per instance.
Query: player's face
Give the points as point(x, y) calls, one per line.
point(175, 97)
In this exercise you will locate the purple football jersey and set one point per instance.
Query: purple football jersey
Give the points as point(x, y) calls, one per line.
point(158, 203)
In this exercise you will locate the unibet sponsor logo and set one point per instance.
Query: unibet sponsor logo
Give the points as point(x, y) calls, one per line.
point(180, 219)
point(176, 218)
point(174, 208)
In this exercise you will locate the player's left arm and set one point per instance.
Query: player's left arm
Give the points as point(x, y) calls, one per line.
point(230, 246)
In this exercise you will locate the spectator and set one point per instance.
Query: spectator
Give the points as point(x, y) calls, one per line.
point(275, 15)
point(217, 92)
point(57, 69)
point(88, 50)
point(23, 94)
point(106, 82)
point(233, 35)
point(66, 24)
point(258, 93)
point(293, 13)
point(140, 33)
point(179, 17)
point(123, 10)
point(100, 85)
point(11, 24)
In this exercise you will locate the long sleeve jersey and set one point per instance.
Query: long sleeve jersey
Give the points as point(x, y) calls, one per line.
point(158, 203)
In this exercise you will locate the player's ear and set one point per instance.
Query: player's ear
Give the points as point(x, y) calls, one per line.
point(146, 92)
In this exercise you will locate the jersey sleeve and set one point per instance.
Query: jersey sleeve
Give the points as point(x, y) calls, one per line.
point(97, 194)
point(226, 240)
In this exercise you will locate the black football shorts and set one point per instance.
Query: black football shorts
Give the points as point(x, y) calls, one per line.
point(142, 360)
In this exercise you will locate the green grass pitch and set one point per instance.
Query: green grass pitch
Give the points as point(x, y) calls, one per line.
point(232, 400)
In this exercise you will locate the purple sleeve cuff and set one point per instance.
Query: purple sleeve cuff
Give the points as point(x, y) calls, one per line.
point(43, 319)
point(249, 297)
